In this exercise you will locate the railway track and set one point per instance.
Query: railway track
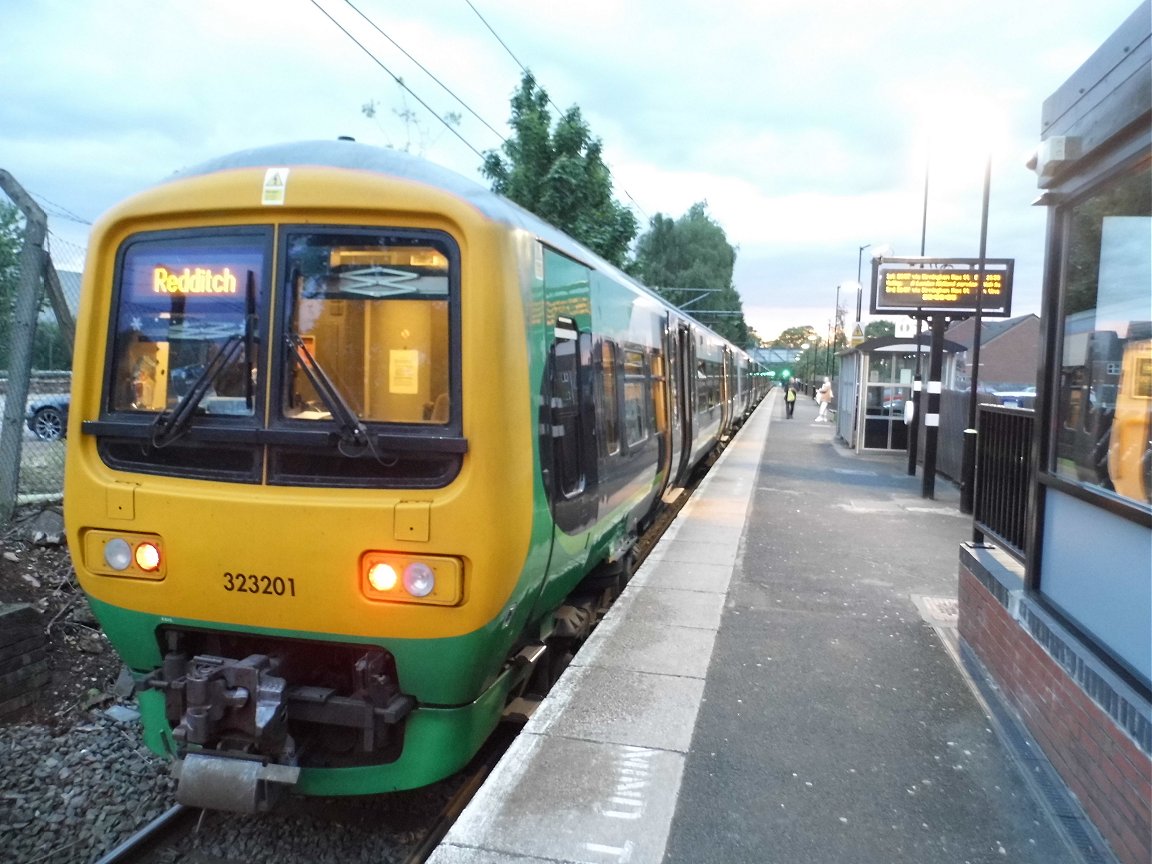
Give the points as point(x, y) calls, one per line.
point(185, 834)
point(174, 822)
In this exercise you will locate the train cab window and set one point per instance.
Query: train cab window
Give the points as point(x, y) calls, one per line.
point(1104, 393)
point(369, 328)
point(186, 321)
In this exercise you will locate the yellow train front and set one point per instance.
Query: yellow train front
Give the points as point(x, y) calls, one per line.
point(348, 435)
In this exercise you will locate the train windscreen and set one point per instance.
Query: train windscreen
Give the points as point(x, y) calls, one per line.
point(185, 325)
point(368, 328)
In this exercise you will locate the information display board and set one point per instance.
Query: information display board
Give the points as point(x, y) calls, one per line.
point(941, 286)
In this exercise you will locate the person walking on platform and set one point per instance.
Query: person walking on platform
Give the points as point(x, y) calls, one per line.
point(824, 397)
point(790, 399)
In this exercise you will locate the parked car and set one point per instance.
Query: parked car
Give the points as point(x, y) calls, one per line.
point(47, 417)
point(1023, 398)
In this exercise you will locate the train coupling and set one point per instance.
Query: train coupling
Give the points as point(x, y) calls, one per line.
point(230, 783)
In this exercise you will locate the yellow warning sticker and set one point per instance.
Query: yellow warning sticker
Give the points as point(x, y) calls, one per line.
point(275, 182)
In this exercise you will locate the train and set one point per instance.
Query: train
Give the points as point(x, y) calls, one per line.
point(1130, 440)
point(358, 451)
point(1105, 433)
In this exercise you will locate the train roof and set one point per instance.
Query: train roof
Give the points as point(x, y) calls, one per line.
point(350, 155)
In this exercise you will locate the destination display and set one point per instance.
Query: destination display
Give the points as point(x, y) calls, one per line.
point(933, 286)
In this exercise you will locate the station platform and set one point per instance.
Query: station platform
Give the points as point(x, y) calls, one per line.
point(780, 682)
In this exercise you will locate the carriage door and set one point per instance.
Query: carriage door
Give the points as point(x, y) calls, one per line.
point(571, 425)
point(685, 399)
point(672, 433)
point(567, 444)
point(727, 390)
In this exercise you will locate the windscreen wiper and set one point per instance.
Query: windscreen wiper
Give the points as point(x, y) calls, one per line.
point(170, 425)
point(250, 339)
point(352, 431)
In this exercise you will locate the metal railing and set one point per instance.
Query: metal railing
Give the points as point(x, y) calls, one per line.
point(1003, 475)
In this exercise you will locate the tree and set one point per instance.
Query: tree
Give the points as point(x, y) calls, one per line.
point(11, 237)
point(794, 337)
point(417, 136)
point(49, 348)
point(560, 174)
point(690, 262)
point(877, 329)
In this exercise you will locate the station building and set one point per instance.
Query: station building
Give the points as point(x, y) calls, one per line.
point(1063, 622)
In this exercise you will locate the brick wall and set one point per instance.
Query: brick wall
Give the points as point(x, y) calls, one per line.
point(1100, 761)
point(23, 657)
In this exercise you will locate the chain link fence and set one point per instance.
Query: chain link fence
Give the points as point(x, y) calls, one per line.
point(39, 295)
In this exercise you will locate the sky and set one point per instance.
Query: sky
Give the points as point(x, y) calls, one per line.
point(811, 128)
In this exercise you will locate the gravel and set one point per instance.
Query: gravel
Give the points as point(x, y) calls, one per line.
point(71, 794)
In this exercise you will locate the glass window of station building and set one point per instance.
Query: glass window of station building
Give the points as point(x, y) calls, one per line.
point(1094, 498)
point(1062, 623)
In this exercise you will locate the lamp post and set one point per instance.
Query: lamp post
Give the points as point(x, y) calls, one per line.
point(918, 379)
point(805, 347)
point(859, 284)
point(968, 467)
point(836, 327)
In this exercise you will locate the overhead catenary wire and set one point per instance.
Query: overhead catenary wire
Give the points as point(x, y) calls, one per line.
point(504, 45)
point(425, 70)
point(398, 80)
point(524, 69)
point(427, 107)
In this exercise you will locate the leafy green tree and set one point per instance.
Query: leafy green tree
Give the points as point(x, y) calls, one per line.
point(690, 262)
point(11, 236)
point(794, 337)
point(49, 348)
point(559, 174)
point(877, 329)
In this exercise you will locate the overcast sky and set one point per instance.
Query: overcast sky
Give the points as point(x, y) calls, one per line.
point(804, 124)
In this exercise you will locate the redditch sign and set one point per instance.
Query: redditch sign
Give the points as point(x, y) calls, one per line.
point(934, 286)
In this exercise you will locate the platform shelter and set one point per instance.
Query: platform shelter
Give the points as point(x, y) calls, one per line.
point(875, 384)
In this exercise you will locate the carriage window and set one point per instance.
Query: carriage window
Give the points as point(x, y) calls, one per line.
point(186, 323)
point(609, 411)
point(368, 320)
point(708, 374)
point(636, 420)
point(1104, 400)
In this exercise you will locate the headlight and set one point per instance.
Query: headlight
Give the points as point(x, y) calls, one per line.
point(117, 553)
point(419, 579)
point(382, 576)
point(399, 578)
point(122, 553)
point(147, 556)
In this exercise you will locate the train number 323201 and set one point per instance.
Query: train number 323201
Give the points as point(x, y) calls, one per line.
point(247, 583)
